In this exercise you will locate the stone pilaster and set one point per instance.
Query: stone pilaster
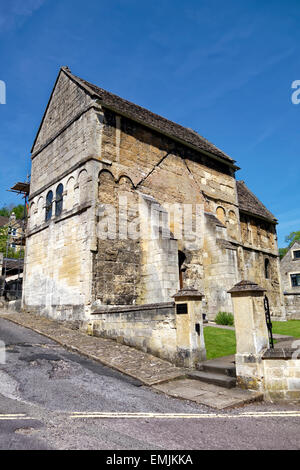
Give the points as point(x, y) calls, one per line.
point(189, 328)
point(251, 333)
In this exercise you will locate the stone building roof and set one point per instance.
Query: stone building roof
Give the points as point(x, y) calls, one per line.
point(3, 220)
point(246, 286)
point(146, 117)
point(11, 265)
point(248, 202)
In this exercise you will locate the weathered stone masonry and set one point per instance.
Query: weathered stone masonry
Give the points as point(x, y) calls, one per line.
point(290, 268)
point(101, 148)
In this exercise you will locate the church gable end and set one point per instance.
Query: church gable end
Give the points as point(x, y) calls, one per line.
point(68, 100)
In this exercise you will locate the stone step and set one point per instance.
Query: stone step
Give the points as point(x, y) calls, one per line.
point(219, 367)
point(213, 378)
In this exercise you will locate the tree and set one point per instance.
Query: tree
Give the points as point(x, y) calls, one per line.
point(289, 239)
point(9, 252)
point(292, 237)
point(18, 210)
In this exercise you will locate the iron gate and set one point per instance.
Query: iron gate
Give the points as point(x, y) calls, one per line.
point(268, 321)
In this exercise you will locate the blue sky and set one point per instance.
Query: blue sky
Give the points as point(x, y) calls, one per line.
point(224, 69)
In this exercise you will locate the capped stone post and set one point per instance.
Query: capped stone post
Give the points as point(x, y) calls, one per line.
point(251, 332)
point(189, 325)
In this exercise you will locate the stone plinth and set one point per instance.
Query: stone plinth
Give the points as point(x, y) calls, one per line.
point(189, 328)
point(251, 333)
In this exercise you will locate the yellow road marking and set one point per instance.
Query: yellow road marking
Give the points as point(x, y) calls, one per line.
point(95, 414)
point(4, 417)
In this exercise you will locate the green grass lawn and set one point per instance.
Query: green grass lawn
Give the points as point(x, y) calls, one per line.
point(289, 328)
point(219, 342)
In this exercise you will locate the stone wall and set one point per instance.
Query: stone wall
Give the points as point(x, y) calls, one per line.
point(281, 372)
point(259, 246)
point(58, 258)
point(151, 328)
point(292, 306)
point(291, 265)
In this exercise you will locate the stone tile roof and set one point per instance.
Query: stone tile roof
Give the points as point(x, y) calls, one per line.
point(245, 286)
point(150, 119)
point(3, 220)
point(248, 202)
point(13, 264)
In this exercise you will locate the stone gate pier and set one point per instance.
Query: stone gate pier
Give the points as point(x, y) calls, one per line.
point(171, 331)
point(275, 372)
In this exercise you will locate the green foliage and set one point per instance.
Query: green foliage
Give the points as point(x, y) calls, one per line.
point(292, 237)
point(8, 252)
point(18, 210)
point(224, 318)
point(4, 212)
point(3, 239)
point(289, 239)
point(283, 252)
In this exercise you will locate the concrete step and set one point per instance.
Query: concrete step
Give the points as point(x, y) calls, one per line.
point(213, 378)
point(219, 367)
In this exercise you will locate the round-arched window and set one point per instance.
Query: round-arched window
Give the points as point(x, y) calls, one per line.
point(59, 200)
point(49, 200)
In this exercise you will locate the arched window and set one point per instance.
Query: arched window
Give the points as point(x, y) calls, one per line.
point(59, 199)
point(267, 268)
point(49, 200)
point(221, 214)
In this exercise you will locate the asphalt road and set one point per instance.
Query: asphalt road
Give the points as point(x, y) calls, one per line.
point(54, 399)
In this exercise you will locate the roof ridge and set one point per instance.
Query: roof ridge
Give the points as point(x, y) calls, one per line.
point(150, 118)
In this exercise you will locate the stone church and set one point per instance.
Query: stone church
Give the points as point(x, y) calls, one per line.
point(96, 153)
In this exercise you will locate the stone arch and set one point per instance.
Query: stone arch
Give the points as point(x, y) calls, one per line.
point(232, 224)
point(33, 214)
point(49, 204)
point(232, 217)
point(221, 214)
point(40, 210)
point(81, 187)
point(105, 175)
point(125, 180)
point(106, 187)
point(70, 199)
point(59, 199)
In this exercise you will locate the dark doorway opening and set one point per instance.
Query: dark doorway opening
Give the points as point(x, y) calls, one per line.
point(182, 269)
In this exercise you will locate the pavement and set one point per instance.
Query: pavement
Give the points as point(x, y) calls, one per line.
point(148, 370)
point(52, 398)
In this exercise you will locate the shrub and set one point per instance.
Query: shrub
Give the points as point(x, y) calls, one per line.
point(224, 318)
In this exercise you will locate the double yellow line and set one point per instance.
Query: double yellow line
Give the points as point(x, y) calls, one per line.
point(16, 416)
point(108, 415)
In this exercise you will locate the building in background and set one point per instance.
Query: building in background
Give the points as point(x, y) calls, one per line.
point(290, 275)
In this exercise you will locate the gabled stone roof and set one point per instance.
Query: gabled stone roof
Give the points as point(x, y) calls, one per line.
point(249, 203)
point(152, 120)
point(3, 220)
point(246, 286)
